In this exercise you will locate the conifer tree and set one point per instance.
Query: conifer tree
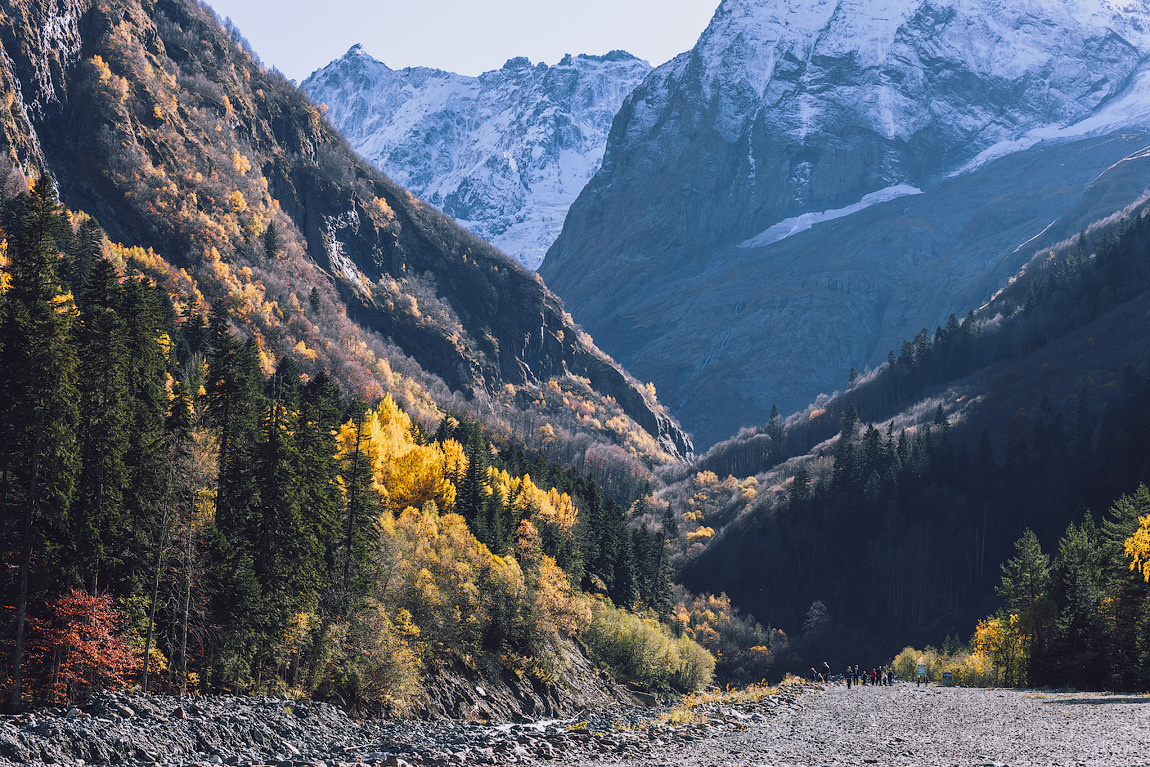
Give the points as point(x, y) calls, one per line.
point(272, 244)
point(234, 402)
point(101, 523)
point(84, 251)
point(38, 413)
point(1025, 588)
point(1079, 630)
point(320, 494)
point(775, 431)
point(361, 507)
point(469, 499)
point(286, 551)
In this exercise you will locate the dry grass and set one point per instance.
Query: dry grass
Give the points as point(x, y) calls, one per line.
point(688, 709)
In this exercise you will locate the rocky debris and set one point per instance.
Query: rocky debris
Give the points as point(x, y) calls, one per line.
point(798, 725)
point(159, 730)
point(498, 694)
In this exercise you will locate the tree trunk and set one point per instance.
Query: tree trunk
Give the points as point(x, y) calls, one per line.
point(155, 597)
point(187, 617)
point(25, 576)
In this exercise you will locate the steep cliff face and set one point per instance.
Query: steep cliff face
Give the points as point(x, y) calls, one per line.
point(158, 122)
point(787, 114)
point(504, 153)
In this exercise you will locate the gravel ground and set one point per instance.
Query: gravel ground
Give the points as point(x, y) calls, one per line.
point(807, 725)
point(905, 725)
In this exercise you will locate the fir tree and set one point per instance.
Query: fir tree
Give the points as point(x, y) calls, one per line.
point(361, 508)
point(147, 409)
point(101, 522)
point(38, 396)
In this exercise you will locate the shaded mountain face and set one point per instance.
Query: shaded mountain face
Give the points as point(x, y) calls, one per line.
point(156, 120)
point(505, 153)
point(896, 501)
point(787, 115)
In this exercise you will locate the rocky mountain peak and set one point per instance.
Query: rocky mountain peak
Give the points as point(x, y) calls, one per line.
point(504, 153)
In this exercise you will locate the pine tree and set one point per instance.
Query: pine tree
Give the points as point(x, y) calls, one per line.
point(234, 402)
point(320, 495)
point(1025, 588)
point(775, 432)
point(1079, 631)
point(469, 499)
point(286, 551)
point(361, 508)
point(84, 251)
point(38, 396)
point(272, 244)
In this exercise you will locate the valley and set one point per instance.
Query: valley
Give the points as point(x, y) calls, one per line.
point(839, 344)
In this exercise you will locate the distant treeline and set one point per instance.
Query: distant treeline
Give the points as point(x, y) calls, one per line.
point(1057, 293)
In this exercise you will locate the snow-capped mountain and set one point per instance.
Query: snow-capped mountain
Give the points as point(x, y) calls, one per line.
point(790, 117)
point(504, 153)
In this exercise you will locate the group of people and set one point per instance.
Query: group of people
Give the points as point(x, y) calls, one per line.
point(853, 675)
point(876, 676)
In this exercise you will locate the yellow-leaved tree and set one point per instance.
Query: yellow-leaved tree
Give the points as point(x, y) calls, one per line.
point(1138, 548)
point(1000, 639)
point(404, 472)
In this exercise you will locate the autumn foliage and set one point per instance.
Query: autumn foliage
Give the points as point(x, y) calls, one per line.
point(78, 648)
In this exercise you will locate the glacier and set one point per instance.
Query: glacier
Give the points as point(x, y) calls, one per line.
point(801, 223)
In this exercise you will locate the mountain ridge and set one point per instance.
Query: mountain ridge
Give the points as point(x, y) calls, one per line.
point(155, 120)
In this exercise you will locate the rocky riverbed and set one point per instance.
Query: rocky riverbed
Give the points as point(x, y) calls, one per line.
point(137, 730)
point(797, 725)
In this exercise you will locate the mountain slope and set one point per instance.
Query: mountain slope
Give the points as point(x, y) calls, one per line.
point(1021, 416)
point(504, 153)
point(157, 122)
point(780, 112)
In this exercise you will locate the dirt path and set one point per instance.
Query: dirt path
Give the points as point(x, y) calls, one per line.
point(904, 725)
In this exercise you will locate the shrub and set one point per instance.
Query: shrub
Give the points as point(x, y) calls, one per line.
point(371, 660)
point(644, 652)
point(967, 668)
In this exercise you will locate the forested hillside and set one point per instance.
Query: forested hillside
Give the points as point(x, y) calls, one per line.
point(162, 497)
point(892, 504)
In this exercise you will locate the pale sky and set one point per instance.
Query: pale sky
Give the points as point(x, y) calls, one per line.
point(465, 36)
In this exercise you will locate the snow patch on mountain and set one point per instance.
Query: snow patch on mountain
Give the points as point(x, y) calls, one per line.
point(1129, 109)
point(801, 223)
point(504, 153)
